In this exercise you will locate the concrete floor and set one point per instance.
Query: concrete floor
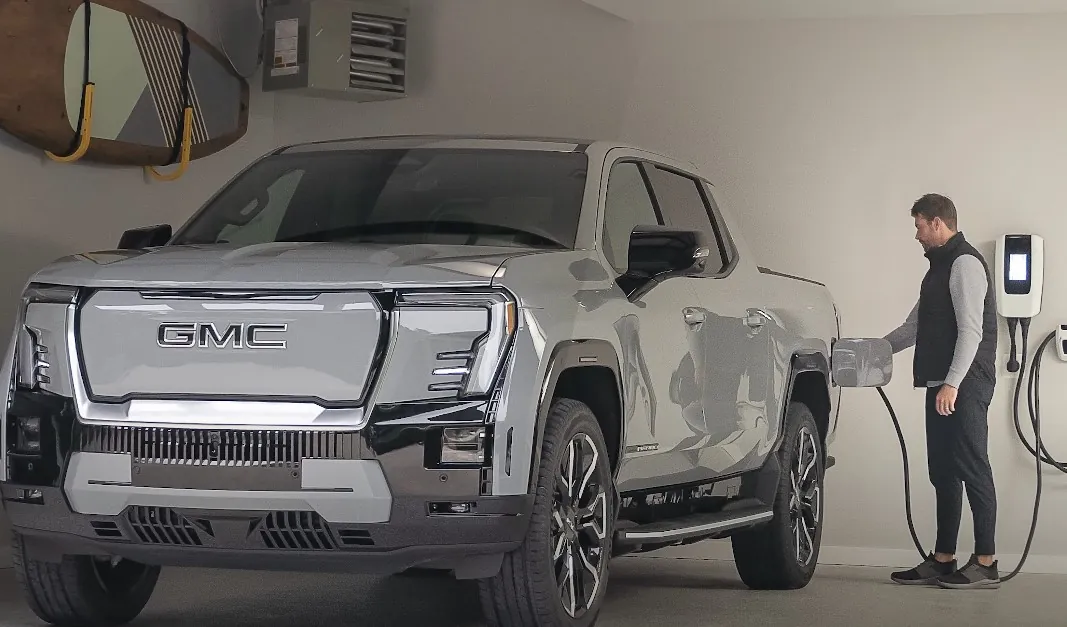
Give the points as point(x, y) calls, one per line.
point(685, 592)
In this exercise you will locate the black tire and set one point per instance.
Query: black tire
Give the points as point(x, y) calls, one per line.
point(529, 589)
point(83, 591)
point(767, 557)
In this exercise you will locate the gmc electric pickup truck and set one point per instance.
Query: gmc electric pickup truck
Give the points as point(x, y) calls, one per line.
point(507, 359)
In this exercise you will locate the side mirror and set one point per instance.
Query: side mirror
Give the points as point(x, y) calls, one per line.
point(146, 237)
point(862, 363)
point(657, 250)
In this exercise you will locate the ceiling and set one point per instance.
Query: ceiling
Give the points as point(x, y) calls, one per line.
point(687, 10)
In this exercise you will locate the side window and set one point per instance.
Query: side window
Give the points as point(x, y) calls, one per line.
point(626, 206)
point(683, 206)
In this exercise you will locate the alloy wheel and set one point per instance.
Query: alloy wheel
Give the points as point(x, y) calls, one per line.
point(579, 525)
point(116, 575)
point(805, 503)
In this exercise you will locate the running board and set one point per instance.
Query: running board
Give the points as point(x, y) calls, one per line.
point(694, 526)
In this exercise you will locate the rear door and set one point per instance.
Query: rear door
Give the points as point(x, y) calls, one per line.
point(736, 358)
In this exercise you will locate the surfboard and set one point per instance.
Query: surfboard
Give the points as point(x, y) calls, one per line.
point(146, 68)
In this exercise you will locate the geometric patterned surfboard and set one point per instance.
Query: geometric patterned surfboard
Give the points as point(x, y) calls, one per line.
point(135, 55)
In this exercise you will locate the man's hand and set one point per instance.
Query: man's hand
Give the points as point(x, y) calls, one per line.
point(946, 400)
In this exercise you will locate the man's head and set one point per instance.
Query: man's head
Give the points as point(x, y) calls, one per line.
point(935, 220)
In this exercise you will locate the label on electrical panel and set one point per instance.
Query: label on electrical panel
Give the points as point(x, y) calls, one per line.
point(286, 46)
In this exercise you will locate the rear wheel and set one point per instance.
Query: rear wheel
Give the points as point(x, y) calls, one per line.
point(782, 554)
point(558, 577)
point(83, 590)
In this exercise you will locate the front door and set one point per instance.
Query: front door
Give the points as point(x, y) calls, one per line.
point(662, 347)
point(734, 334)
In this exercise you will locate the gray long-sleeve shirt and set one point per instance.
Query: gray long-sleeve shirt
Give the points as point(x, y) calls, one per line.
point(967, 285)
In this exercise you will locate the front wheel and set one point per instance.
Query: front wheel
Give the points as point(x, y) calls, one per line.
point(83, 590)
point(782, 554)
point(558, 577)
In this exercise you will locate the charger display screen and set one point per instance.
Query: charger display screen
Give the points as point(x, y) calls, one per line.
point(1017, 264)
point(1017, 267)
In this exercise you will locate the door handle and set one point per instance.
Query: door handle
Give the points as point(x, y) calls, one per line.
point(693, 316)
point(755, 319)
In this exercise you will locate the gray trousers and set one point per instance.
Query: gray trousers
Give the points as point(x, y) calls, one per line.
point(958, 456)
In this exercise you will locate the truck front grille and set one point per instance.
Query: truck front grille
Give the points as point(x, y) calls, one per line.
point(206, 447)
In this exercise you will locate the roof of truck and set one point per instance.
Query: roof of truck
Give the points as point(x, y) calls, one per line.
point(527, 142)
point(498, 142)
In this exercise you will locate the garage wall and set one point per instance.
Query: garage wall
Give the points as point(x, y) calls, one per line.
point(478, 66)
point(821, 134)
point(487, 66)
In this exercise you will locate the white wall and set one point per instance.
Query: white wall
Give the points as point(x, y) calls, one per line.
point(487, 66)
point(821, 134)
point(478, 66)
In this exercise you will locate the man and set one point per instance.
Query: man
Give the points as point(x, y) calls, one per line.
point(953, 328)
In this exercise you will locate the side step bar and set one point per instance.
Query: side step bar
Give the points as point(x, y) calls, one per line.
point(695, 526)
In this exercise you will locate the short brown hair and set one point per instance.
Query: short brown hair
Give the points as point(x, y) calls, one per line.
point(933, 206)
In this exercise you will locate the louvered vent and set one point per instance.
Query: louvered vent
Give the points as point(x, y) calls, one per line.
point(160, 525)
point(379, 53)
point(305, 531)
point(202, 447)
point(353, 50)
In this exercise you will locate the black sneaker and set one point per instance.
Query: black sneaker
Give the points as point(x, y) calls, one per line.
point(925, 574)
point(972, 576)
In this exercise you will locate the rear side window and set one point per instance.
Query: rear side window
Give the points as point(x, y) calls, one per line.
point(682, 202)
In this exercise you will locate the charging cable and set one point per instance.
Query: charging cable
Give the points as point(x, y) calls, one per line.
point(1033, 393)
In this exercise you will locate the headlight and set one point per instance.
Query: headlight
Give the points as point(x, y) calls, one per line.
point(477, 369)
point(43, 312)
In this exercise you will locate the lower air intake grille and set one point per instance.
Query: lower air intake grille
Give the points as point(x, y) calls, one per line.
point(159, 525)
point(305, 531)
point(106, 529)
point(204, 447)
point(355, 537)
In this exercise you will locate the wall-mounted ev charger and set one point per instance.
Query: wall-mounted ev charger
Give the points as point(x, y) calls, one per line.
point(1019, 271)
point(1019, 277)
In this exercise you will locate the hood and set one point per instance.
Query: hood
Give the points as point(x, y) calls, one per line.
point(282, 266)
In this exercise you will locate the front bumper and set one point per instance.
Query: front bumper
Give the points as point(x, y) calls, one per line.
point(371, 502)
point(472, 546)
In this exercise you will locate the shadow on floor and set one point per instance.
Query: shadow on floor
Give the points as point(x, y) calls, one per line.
point(642, 591)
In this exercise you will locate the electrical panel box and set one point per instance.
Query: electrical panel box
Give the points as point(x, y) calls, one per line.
point(345, 49)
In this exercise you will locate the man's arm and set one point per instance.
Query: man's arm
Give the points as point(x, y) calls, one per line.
point(968, 286)
point(903, 337)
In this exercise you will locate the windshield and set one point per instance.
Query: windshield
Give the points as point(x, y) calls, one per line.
point(485, 197)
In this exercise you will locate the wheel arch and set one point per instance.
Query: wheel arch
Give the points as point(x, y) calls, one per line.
point(586, 371)
point(809, 383)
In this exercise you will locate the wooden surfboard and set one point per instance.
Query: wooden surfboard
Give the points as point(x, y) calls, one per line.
point(145, 68)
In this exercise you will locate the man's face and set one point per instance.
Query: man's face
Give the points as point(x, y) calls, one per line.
point(928, 232)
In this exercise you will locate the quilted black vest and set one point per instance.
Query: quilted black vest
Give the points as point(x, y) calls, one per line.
point(935, 340)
